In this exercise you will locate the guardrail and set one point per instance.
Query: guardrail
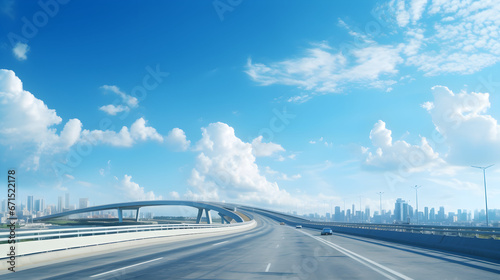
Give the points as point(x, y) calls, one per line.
point(449, 238)
point(44, 234)
point(475, 232)
point(461, 231)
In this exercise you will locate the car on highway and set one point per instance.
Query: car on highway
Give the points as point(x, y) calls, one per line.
point(282, 223)
point(327, 231)
point(298, 226)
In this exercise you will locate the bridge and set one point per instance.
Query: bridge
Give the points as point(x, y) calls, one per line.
point(226, 213)
point(274, 251)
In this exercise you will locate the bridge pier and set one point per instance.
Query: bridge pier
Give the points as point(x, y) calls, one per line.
point(200, 213)
point(137, 215)
point(223, 219)
point(207, 215)
point(120, 215)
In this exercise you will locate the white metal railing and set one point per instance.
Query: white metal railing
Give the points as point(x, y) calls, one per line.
point(29, 235)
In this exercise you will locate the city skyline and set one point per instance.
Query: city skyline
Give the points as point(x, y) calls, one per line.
point(402, 212)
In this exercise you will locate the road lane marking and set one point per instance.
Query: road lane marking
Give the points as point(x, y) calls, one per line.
point(125, 267)
point(268, 266)
point(220, 243)
point(365, 261)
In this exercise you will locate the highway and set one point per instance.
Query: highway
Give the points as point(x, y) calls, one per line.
point(269, 251)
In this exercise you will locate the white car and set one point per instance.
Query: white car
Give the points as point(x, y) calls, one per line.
point(298, 226)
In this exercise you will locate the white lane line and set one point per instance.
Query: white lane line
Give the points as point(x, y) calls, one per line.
point(125, 267)
point(277, 245)
point(361, 259)
point(220, 243)
point(268, 266)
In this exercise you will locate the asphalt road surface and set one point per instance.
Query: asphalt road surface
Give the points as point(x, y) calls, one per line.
point(270, 251)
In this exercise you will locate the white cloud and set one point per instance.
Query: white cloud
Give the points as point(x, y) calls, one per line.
point(290, 178)
point(393, 155)
point(402, 15)
point(133, 191)
point(27, 123)
point(125, 137)
point(139, 131)
point(456, 37)
point(177, 140)
point(323, 70)
point(20, 50)
point(174, 195)
point(299, 98)
point(472, 135)
point(417, 8)
point(113, 110)
point(226, 169)
point(464, 39)
point(127, 99)
point(260, 149)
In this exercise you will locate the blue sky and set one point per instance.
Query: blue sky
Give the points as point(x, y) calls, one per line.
point(292, 107)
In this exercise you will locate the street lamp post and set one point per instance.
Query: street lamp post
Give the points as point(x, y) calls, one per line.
point(416, 198)
point(360, 210)
point(485, 196)
point(380, 195)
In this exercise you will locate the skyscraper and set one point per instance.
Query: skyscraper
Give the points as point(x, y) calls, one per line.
point(30, 204)
point(337, 214)
point(60, 204)
point(440, 215)
point(426, 213)
point(39, 205)
point(398, 210)
point(66, 202)
point(84, 203)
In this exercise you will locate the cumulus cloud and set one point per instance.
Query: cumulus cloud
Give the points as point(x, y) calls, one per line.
point(226, 169)
point(26, 122)
point(28, 125)
point(260, 149)
point(472, 135)
point(133, 191)
point(139, 131)
point(125, 137)
point(20, 50)
point(393, 155)
point(177, 140)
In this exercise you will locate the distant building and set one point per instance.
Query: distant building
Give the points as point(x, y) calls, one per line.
point(441, 216)
point(60, 204)
point(398, 210)
point(39, 205)
point(432, 215)
point(336, 216)
point(66, 201)
point(84, 203)
point(30, 204)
